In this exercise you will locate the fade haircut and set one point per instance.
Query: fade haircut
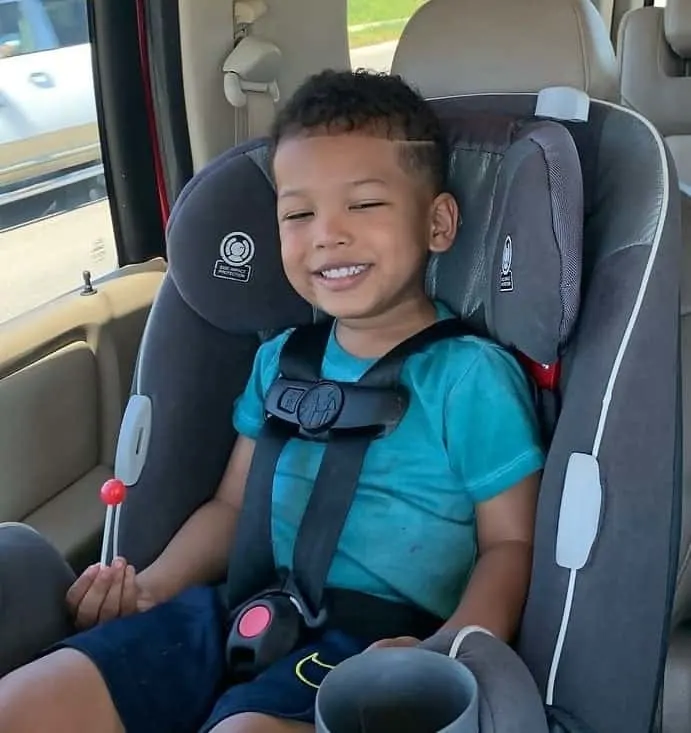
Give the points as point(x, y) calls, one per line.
point(349, 101)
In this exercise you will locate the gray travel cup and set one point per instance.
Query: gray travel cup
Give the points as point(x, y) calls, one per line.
point(398, 690)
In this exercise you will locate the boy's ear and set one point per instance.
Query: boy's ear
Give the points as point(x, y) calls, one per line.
point(443, 222)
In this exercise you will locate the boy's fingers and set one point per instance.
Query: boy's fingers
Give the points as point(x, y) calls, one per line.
point(81, 587)
point(90, 606)
point(110, 608)
point(128, 604)
point(396, 641)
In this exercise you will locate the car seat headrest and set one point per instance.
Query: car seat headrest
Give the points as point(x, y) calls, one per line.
point(678, 27)
point(514, 269)
point(223, 246)
point(463, 46)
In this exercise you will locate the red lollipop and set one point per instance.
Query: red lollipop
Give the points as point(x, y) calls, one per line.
point(113, 493)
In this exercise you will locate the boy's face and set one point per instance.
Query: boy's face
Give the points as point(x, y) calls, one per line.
point(356, 225)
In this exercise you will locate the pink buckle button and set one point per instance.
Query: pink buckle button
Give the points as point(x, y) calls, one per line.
point(254, 621)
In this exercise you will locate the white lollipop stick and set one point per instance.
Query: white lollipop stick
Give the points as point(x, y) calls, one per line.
point(113, 494)
point(106, 536)
point(116, 530)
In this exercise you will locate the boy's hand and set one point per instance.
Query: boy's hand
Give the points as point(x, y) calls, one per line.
point(101, 594)
point(397, 641)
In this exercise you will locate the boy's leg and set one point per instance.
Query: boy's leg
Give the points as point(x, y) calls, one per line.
point(282, 698)
point(62, 692)
point(160, 670)
point(256, 723)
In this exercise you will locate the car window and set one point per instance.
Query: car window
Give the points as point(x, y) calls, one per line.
point(41, 26)
point(374, 27)
point(69, 19)
point(15, 33)
point(55, 220)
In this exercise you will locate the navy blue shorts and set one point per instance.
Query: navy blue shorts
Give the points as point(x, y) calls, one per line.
point(165, 669)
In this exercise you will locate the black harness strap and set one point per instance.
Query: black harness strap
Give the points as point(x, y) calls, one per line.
point(337, 479)
point(252, 569)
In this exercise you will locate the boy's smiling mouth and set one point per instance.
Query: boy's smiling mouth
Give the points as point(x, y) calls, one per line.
point(341, 276)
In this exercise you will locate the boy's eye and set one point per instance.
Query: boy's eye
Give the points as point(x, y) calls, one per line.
point(297, 215)
point(367, 205)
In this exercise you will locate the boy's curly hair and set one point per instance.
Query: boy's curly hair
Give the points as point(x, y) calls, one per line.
point(345, 101)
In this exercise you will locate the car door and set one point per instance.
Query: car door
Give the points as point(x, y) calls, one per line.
point(67, 350)
point(47, 104)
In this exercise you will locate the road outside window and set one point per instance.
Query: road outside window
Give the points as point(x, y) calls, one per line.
point(54, 214)
point(374, 27)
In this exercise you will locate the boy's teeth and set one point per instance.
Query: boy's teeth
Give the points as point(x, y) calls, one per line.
point(338, 272)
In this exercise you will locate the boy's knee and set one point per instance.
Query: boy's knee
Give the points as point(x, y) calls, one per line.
point(257, 723)
point(17, 697)
point(62, 692)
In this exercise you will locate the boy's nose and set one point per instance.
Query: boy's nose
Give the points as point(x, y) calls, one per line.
point(331, 232)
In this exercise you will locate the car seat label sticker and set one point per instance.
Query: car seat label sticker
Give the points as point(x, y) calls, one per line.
point(506, 279)
point(237, 251)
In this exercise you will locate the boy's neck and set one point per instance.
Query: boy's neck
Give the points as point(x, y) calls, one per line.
point(371, 338)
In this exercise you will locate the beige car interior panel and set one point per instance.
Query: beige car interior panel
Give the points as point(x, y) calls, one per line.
point(208, 33)
point(65, 375)
point(565, 58)
point(206, 38)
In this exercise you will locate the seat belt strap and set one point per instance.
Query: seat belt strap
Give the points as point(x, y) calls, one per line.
point(251, 566)
point(303, 352)
point(338, 477)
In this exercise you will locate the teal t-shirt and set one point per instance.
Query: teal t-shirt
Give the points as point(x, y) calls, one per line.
point(470, 433)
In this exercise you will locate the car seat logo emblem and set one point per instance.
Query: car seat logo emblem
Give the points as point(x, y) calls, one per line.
point(506, 279)
point(237, 251)
point(320, 407)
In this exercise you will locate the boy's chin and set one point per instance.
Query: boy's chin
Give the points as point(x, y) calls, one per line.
point(344, 311)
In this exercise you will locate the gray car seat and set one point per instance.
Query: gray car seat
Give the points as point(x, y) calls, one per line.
point(565, 42)
point(594, 632)
point(655, 66)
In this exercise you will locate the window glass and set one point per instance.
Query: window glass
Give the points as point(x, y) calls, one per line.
point(15, 33)
point(69, 20)
point(374, 27)
point(54, 212)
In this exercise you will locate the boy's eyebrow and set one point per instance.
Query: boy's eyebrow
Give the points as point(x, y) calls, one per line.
point(293, 192)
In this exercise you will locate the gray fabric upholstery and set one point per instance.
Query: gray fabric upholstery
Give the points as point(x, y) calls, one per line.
point(509, 699)
point(452, 47)
point(678, 26)
point(656, 80)
point(34, 579)
point(610, 671)
point(676, 699)
point(527, 197)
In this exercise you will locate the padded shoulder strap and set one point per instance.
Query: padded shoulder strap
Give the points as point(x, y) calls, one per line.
point(386, 371)
point(303, 352)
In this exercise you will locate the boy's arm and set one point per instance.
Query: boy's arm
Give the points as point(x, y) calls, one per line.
point(497, 590)
point(198, 553)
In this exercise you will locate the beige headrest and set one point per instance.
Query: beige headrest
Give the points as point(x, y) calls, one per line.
point(465, 46)
point(678, 27)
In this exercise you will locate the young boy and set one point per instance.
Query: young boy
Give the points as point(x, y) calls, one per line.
point(443, 517)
